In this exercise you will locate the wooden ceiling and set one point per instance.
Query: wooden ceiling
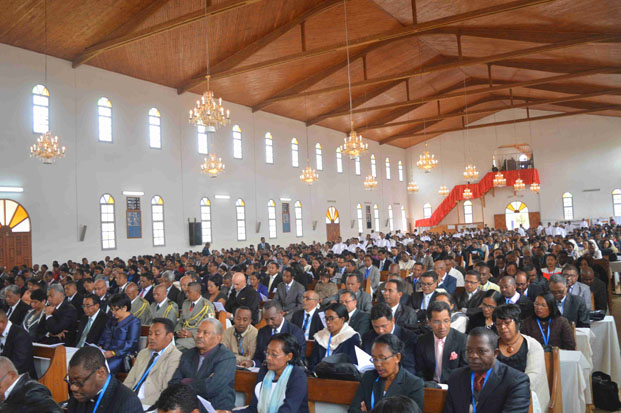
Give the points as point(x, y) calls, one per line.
point(416, 66)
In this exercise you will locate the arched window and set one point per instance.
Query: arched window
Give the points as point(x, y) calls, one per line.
point(427, 210)
point(339, 160)
point(568, 206)
point(357, 165)
point(294, 153)
point(203, 136)
point(468, 212)
point(106, 212)
point(40, 109)
point(13, 216)
point(387, 168)
point(616, 202)
point(155, 137)
point(298, 219)
point(404, 220)
point(391, 219)
point(373, 167)
point(359, 218)
point(376, 217)
point(271, 218)
point(237, 142)
point(318, 157)
point(516, 214)
point(157, 217)
point(400, 169)
point(332, 216)
point(206, 219)
point(240, 213)
point(269, 148)
point(104, 112)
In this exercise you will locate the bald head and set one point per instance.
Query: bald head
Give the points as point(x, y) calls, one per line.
point(159, 293)
point(131, 290)
point(239, 281)
point(507, 286)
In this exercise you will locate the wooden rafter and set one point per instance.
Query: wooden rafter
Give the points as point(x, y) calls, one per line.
point(247, 51)
point(521, 35)
point(126, 39)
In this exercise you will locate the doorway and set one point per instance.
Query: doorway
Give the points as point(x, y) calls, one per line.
point(333, 224)
point(15, 235)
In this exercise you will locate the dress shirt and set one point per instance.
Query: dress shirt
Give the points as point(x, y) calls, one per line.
point(288, 286)
point(426, 299)
point(279, 328)
point(85, 332)
point(310, 320)
point(352, 314)
point(159, 353)
point(439, 350)
point(513, 299)
point(12, 308)
point(394, 310)
point(270, 287)
point(162, 304)
point(8, 391)
point(5, 334)
point(561, 304)
point(195, 303)
point(145, 291)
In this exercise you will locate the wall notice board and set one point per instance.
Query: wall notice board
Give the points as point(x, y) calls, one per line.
point(134, 218)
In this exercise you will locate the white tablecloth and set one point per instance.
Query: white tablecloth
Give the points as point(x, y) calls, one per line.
point(605, 345)
point(575, 378)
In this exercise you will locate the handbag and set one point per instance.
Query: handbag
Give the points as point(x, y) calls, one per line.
point(605, 392)
point(338, 367)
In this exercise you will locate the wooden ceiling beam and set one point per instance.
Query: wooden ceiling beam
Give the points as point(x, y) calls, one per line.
point(116, 42)
point(413, 30)
point(522, 35)
point(458, 63)
point(495, 88)
point(551, 66)
point(530, 102)
point(247, 51)
point(507, 122)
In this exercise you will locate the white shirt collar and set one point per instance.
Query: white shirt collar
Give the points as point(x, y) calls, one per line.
point(163, 301)
point(61, 303)
point(290, 283)
point(282, 323)
point(95, 315)
point(196, 302)
point(5, 333)
point(311, 313)
point(14, 306)
point(394, 309)
point(134, 300)
point(8, 391)
point(352, 313)
point(71, 298)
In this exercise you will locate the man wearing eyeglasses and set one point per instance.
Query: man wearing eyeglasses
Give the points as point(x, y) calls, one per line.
point(308, 318)
point(20, 393)
point(420, 300)
point(92, 324)
point(93, 389)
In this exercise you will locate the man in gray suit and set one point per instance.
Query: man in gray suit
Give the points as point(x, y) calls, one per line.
point(163, 307)
point(289, 293)
point(575, 287)
point(353, 284)
point(371, 272)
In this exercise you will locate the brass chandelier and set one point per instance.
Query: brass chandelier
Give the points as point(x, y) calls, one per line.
point(370, 183)
point(534, 187)
point(212, 166)
point(47, 149)
point(519, 185)
point(209, 112)
point(499, 180)
point(471, 173)
point(427, 161)
point(353, 145)
point(467, 194)
point(444, 191)
point(412, 187)
point(309, 175)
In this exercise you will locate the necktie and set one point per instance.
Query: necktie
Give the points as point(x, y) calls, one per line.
point(87, 328)
point(439, 351)
point(146, 372)
point(239, 338)
point(274, 331)
point(479, 379)
point(157, 308)
point(191, 307)
point(142, 293)
point(287, 289)
point(366, 274)
point(306, 322)
point(508, 301)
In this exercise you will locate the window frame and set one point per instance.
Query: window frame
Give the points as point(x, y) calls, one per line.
point(568, 207)
point(376, 218)
point(102, 106)
point(400, 170)
point(202, 140)
point(40, 92)
point(357, 165)
point(616, 202)
point(271, 219)
point(427, 210)
point(319, 156)
point(103, 202)
point(468, 212)
point(387, 162)
point(373, 166)
point(152, 117)
point(299, 224)
point(295, 153)
point(156, 204)
point(238, 151)
point(205, 210)
point(240, 208)
point(339, 160)
point(391, 219)
point(359, 218)
point(269, 148)
point(404, 219)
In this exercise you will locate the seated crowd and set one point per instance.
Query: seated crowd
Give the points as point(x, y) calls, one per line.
point(428, 310)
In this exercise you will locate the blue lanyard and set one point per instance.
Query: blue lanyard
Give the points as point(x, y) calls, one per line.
point(373, 394)
point(546, 338)
point(146, 373)
point(102, 392)
point(328, 349)
point(474, 403)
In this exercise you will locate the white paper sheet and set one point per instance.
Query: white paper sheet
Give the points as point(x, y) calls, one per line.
point(219, 307)
point(364, 360)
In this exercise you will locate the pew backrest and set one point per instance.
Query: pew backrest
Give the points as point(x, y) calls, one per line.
point(54, 377)
point(553, 370)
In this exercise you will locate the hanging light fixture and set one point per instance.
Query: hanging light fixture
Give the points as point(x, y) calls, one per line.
point(444, 191)
point(471, 173)
point(47, 148)
point(209, 111)
point(499, 180)
point(370, 183)
point(427, 161)
point(519, 185)
point(534, 187)
point(212, 166)
point(309, 175)
point(412, 187)
point(467, 194)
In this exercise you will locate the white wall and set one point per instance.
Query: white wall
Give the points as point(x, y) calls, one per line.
point(62, 197)
point(572, 154)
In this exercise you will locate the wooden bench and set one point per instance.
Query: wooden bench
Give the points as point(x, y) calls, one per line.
point(404, 274)
point(54, 377)
point(383, 275)
point(553, 371)
point(309, 348)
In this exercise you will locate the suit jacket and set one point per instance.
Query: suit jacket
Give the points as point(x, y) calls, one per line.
point(64, 318)
point(534, 290)
point(17, 316)
point(247, 297)
point(263, 246)
point(449, 283)
point(373, 275)
point(406, 317)
point(384, 266)
point(526, 307)
point(121, 337)
point(405, 384)
point(409, 340)
point(583, 291)
point(29, 396)
point(77, 301)
point(296, 394)
point(18, 349)
point(360, 321)
point(275, 283)
point(472, 305)
point(117, 399)
point(266, 332)
point(215, 380)
point(416, 300)
point(315, 322)
point(174, 294)
point(149, 296)
point(426, 360)
point(96, 331)
point(292, 301)
point(141, 310)
point(169, 310)
point(598, 289)
point(365, 302)
point(159, 376)
point(575, 310)
point(248, 343)
point(507, 390)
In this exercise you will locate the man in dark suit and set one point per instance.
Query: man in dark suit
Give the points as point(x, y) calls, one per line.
point(272, 278)
point(446, 281)
point(88, 376)
point(16, 308)
point(443, 350)
point(173, 293)
point(146, 287)
point(101, 291)
point(289, 293)
point(404, 316)
point(242, 295)
point(74, 297)
point(92, 324)
point(383, 263)
point(274, 323)
point(308, 318)
point(469, 300)
point(16, 345)
point(358, 320)
point(490, 384)
point(508, 290)
point(526, 288)
point(572, 307)
point(261, 246)
point(598, 288)
point(26, 395)
point(382, 322)
point(354, 284)
point(58, 324)
point(209, 368)
point(420, 300)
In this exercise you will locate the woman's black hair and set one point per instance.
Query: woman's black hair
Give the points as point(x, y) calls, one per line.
point(392, 341)
point(120, 300)
point(397, 404)
point(217, 280)
point(289, 345)
point(508, 312)
point(339, 309)
point(551, 302)
point(448, 296)
point(494, 295)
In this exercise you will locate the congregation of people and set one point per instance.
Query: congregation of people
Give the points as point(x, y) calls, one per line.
point(472, 311)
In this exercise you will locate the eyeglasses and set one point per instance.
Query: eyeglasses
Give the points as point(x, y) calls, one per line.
point(470, 282)
point(309, 299)
point(488, 307)
point(331, 319)
point(440, 322)
point(272, 355)
point(381, 360)
point(424, 284)
point(78, 384)
point(88, 305)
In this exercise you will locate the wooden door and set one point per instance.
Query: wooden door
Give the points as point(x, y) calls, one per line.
point(15, 235)
point(333, 224)
point(534, 218)
point(500, 221)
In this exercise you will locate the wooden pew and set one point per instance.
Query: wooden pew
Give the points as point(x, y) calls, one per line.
point(553, 370)
point(54, 377)
point(404, 274)
point(309, 348)
point(367, 285)
point(311, 286)
point(144, 331)
point(221, 316)
point(383, 275)
point(261, 324)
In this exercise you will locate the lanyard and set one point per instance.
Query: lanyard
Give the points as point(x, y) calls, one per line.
point(146, 373)
point(328, 349)
point(373, 394)
point(102, 392)
point(474, 403)
point(546, 338)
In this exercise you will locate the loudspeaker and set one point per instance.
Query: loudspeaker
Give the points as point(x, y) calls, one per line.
point(353, 222)
point(314, 225)
point(258, 227)
point(387, 222)
point(196, 233)
point(82, 232)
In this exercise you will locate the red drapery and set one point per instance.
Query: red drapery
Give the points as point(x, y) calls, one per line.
point(479, 189)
